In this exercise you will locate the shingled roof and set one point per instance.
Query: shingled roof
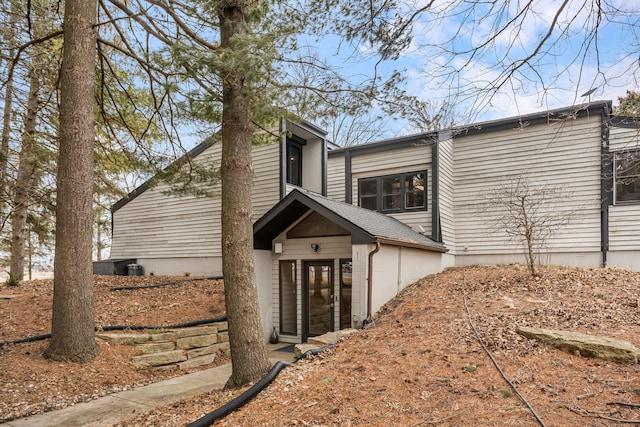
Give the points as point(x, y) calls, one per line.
point(365, 226)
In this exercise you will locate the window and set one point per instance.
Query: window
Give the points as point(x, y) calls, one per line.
point(294, 162)
point(394, 193)
point(627, 176)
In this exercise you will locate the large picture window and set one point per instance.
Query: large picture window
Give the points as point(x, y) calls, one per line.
point(627, 176)
point(394, 193)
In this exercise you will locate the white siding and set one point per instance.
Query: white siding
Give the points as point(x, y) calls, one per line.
point(312, 154)
point(559, 153)
point(394, 268)
point(411, 159)
point(335, 178)
point(155, 225)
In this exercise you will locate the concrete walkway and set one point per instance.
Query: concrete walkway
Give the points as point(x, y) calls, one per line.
point(117, 407)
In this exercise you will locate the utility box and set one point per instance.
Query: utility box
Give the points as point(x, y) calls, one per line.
point(112, 267)
point(134, 269)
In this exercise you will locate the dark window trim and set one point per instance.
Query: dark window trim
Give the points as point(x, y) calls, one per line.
point(402, 177)
point(615, 176)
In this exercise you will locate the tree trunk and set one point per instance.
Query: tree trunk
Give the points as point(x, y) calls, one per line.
point(6, 119)
point(26, 173)
point(72, 326)
point(248, 349)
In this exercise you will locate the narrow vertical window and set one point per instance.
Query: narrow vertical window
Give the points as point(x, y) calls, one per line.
point(391, 193)
point(294, 164)
point(288, 298)
point(369, 194)
point(414, 190)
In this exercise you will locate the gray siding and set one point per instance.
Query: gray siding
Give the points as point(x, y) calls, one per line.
point(624, 219)
point(624, 228)
point(156, 225)
point(335, 178)
point(560, 153)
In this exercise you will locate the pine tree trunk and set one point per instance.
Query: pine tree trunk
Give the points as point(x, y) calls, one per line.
point(72, 328)
point(26, 173)
point(248, 348)
point(9, 40)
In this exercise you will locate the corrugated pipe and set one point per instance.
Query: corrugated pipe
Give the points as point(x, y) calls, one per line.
point(124, 328)
point(366, 321)
point(252, 392)
point(159, 285)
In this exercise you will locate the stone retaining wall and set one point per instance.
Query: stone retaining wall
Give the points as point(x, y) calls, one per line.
point(179, 348)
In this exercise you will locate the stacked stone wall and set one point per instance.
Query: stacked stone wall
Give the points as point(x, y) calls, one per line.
point(179, 348)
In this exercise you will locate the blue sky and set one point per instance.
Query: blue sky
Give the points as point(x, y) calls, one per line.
point(576, 59)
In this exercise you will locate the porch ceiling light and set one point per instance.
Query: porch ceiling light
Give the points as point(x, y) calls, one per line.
point(315, 247)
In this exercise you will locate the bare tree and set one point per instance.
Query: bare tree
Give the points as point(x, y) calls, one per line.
point(528, 214)
point(482, 54)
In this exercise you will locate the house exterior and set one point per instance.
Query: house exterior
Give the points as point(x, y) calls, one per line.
point(339, 231)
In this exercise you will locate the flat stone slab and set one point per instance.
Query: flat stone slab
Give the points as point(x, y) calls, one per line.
point(158, 359)
point(197, 341)
point(593, 346)
point(195, 331)
point(300, 349)
point(123, 337)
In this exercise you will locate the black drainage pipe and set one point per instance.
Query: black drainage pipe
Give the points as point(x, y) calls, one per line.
point(252, 392)
point(123, 328)
point(160, 285)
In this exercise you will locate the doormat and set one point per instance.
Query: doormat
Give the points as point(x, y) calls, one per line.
point(287, 349)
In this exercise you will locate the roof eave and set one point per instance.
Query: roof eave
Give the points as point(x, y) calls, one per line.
point(409, 244)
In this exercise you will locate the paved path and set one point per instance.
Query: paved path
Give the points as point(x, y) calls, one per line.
point(117, 407)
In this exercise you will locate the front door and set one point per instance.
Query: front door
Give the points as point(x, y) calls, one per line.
point(318, 288)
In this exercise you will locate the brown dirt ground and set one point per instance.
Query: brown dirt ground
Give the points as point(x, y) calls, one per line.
point(419, 364)
point(30, 384)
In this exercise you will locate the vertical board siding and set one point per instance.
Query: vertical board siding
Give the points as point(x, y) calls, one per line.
point(335, 178)
point(412, 159)
point(560, 153)
point(446, 202)
point(157, 225)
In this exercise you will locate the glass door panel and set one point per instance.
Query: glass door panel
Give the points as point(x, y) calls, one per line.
point(320, 305)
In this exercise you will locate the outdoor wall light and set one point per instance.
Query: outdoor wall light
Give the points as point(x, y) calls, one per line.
point(315, 247)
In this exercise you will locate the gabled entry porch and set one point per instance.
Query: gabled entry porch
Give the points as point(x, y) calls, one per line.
point(325, 266)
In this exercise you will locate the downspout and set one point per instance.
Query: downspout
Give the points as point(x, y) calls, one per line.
point(367, 320)
point(436, 230)
point(348, 184)
point(606, 184)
